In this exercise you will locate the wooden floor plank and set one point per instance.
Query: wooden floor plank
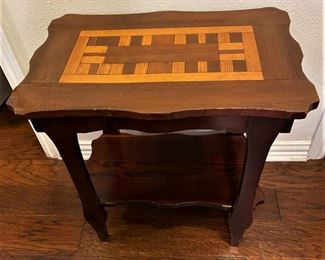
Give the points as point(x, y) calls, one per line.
point(302, 239)
point(33, 172)
point(13, 133)
point(39, 235)
point(40, 214)
point(294, 175)
point(308, 205)
point(167, 237)
point(40, 200)
point(269, 210)
point(21, 145)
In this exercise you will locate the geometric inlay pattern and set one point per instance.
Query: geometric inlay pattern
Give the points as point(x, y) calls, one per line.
point(164, 55)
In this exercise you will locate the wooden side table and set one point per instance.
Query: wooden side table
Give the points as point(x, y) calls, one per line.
point(235, 71)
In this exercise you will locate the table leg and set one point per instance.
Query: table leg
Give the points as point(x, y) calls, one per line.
point(66, 142)
point(261, 133)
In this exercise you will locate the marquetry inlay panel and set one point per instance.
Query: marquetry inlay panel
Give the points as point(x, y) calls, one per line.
point(164, 55)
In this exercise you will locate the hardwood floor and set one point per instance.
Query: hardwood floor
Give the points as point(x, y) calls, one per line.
point(41, 218)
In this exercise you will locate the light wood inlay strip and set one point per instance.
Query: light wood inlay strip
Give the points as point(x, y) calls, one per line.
point(251, 52)
point(141, 68)
point(226, 66)
point(231, 46)
point(163, 31)
point(223, 38)
point(232, 56)
point(76, 54)
point(95, 49)
point(202, 66)
point(125, 40)
point(164, 77)
point(83, 68)
point(180, 39)
point(116, 69)
point(146, 40)
point(104, 69)
point(93, 59)
point(178, 67)
point(202, 38)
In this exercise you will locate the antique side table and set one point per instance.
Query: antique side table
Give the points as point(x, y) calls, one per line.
point(235, 71)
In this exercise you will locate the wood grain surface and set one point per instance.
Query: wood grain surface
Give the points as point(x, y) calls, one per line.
point(181, 49)
point(163, 101)
point(44, 221)
point(231, 62)
point(146, 165)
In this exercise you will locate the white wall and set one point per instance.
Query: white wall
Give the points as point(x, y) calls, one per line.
point(25, 24)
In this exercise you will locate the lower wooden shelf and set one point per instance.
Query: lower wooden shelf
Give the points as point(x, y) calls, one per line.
point(168, 170)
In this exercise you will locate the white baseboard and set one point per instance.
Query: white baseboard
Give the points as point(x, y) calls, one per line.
point(281, 151)
point(317, 148)
point(85, 147)
point(287, 151)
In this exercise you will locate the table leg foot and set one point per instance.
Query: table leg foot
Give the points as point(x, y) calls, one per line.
point(259, 197)
point(238, 226)
point(97, 219)
point(235, 238)
point(261, 133)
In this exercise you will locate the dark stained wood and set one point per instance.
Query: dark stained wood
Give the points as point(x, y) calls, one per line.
point(260, 96)
point(136, 41)
point(93, 69)
point(145, 232)
point(110, 41)
point(128, 68)
point(192, 38)
point(235, 37)
point(261, 133)
point(222, 124)
point(191, 66)
point(284, 91)
point(239, 65)
point(142, 100)
point(261, 16)
point(68, 146)
point(234, 125)
point(197, 150)
point(213, 66)
point(129, 168)
point(281, 56)
point(191, 52)
point(159, 67)
point(180, 193)
point(163, 39)
point(211, 38)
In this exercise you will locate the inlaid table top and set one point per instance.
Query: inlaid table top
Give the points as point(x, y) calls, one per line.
point(167, 65)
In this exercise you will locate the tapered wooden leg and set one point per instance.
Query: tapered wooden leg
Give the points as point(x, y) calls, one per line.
point(66, 141)
point(261, 133)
